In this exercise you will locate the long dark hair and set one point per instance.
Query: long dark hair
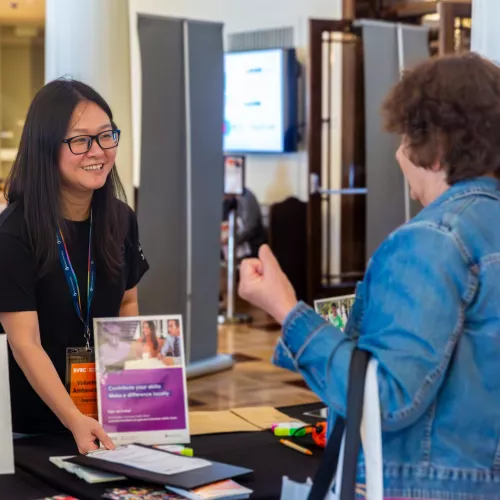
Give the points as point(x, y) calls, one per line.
point(34, 180)
point(152, 329)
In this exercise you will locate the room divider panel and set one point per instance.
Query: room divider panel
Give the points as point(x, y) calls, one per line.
point(388, 49)
point(181, 188)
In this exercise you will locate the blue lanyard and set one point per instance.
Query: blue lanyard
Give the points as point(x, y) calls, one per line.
point(72, 280)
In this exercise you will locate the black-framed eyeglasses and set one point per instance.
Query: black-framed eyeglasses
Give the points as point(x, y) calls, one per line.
point(81, 144)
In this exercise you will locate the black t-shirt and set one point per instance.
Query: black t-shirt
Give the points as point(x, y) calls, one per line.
point(49, 296)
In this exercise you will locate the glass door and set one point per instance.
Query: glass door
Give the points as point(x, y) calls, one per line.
point(336, 212)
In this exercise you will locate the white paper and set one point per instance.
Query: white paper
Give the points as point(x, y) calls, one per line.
point(6, 442)
point(151, 460)
point(88, 474)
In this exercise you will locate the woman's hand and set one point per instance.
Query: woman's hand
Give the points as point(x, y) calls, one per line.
point(263, 284)
point(86, 430)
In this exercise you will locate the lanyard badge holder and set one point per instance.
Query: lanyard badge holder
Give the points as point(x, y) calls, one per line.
point(80, 361)
point(81, 379)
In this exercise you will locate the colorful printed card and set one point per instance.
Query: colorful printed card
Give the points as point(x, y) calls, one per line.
point(139, 493)
point(223, 490)
point(141, 379)
point(336, 310)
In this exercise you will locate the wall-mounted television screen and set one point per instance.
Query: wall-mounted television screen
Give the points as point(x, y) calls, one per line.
point(260, 107)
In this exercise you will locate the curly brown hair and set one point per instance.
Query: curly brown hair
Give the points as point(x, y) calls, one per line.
point(448, 111)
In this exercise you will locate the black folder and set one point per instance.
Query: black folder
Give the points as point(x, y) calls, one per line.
point(196, 478)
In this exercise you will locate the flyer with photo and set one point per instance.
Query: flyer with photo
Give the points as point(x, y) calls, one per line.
point(141, 379)
point(234, 175)
point(336, 310)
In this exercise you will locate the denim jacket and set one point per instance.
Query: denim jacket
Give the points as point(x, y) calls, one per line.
point(429, 311)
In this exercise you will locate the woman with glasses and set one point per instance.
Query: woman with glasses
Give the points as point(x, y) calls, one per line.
point(69, 252)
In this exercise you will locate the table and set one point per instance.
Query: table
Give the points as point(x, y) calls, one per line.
point(24, 486)
point(260, 451)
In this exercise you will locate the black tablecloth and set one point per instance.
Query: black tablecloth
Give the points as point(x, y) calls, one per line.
point(260, 451)
point(23, 486)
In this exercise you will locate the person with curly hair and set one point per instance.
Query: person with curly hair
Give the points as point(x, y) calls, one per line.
point(428, 308)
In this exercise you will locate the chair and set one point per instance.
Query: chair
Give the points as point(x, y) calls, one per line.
point(288, 240)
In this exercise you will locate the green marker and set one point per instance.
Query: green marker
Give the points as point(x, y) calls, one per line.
point(179, 449)
point(289, 429)
point(281, 431)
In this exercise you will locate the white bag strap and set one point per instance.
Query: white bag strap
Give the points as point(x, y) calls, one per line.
point(371, 435)
point(361, 428)
point(371, 438)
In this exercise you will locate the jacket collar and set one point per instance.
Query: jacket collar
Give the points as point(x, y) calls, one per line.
point(478, 186)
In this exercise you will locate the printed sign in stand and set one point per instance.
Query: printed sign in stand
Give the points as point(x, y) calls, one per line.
point(234, 175)
point(6, 443)
point(336, 310)
point(141, 379)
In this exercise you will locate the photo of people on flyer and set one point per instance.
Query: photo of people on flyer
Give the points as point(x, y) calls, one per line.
point(335, 310)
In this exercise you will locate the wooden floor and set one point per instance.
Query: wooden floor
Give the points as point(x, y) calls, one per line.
point(254, 380)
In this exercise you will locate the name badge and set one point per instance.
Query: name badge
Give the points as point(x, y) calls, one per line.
point(81, 379)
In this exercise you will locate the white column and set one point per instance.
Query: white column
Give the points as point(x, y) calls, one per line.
point(89, 41)
point(485, 39)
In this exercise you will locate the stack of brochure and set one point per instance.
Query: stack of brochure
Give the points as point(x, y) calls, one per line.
point(59, 497)
point(223, 490)
point(139, 493)
point(88, 474)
